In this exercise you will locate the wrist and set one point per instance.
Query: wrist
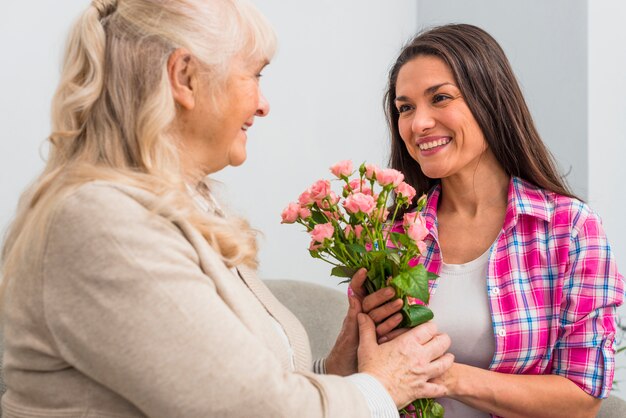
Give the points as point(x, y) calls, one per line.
point(459, 382)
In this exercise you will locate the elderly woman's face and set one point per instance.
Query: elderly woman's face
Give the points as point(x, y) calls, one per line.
point(214, 134)
point(435, 123)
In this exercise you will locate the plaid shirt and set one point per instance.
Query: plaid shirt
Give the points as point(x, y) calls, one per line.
point(553, 288)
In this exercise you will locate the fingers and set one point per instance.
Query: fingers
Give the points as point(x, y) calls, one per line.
point(437, 346)
point(367, 332)
point(353, 310)
point(432, 390)
point(422, 333)
point(377, 298)
point(357, 282)
point(388, 325)
point(391, 335)
point(383, 312)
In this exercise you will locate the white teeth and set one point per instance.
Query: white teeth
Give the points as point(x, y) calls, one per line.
point(428, 145)
point(245, 127)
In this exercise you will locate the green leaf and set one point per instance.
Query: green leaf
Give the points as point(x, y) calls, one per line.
point(315, 254)
point(343, 271)
point(394, 257)
point(437, 410)
point(318, 217)
point(413, 282)
point(415, 315)
point(357, 248)
point(431, 276)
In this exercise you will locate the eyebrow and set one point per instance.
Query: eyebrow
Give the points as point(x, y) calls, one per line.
point(429, 90)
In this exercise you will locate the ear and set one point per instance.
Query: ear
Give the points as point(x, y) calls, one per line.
point(182, 72)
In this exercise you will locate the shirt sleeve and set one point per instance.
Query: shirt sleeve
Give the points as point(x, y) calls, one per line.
point(379, 402)
point(592, 291)
point(378, 399)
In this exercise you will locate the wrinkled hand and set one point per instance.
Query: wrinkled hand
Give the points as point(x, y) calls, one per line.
point(384, 309)
point(406, 365)
point(342, 359)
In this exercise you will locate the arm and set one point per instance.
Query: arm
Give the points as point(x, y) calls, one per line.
point(511, 395)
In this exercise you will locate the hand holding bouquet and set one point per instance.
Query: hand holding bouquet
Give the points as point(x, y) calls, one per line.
point(356, 229)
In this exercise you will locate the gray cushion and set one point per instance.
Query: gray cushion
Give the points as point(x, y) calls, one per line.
point(321, 310)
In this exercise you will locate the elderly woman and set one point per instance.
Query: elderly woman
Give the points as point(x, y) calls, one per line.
point(126, 290)
point(528, 286)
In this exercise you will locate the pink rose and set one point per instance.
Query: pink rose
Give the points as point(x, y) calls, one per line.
point(371, 171)
point(342, 168)
point(389, 176)
point(291, 213)
point(356, 230)
point(304, 213)
point(406, 190)
point(358, 185)
point(319, 190)
point(305, 198)
point(417, 231)
point(322, 231)
point(359, 202)
point(421, 245)
point(410, 218)
point(331, 199)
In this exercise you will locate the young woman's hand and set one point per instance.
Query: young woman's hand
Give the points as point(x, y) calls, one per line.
point(384, 309)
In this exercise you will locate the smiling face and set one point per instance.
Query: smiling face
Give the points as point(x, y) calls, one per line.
point(436, 125)
point(214, 132)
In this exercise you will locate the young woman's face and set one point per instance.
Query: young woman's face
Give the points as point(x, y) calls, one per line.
point(216, 135)
point(435, 123)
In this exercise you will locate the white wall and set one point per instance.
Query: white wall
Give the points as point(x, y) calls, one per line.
point(31, 38)
point(325, 88)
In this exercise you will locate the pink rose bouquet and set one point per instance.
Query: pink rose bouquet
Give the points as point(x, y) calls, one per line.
point(356, 230)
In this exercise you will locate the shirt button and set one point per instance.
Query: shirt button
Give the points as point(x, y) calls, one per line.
point(495, 291)
point(608, 344)
point(502, 332)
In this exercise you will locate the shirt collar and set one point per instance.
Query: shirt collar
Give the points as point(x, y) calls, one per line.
point(523, 199)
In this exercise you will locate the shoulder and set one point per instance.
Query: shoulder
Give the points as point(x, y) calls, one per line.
point(556, 209)
point(106, 212)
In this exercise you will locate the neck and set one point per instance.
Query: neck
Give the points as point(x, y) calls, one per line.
point(479, 189)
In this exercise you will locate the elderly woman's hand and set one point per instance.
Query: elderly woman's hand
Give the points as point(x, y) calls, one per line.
point(408, 365)
point(342, 359)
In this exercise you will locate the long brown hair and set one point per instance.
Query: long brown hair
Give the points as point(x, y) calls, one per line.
point(484, 76)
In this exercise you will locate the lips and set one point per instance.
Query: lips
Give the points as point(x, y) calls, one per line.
point(247, 125)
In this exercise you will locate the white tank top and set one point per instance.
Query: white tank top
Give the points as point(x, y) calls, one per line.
point(461, 309)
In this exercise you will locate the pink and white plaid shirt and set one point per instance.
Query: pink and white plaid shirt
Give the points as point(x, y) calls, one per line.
point(553, 288)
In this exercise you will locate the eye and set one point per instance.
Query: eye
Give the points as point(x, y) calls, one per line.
point(438, 98)
point(404, 108)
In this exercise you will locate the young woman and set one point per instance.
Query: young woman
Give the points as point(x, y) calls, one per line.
point(528, 286)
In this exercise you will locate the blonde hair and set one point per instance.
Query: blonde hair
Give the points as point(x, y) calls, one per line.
point(113, 111)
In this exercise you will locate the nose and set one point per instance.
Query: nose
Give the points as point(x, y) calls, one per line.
point(263, 107)
point(422, 121)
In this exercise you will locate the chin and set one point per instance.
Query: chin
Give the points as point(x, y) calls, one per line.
point(237, 160)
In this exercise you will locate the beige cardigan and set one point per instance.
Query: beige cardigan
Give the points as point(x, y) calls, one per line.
point(128, 314)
